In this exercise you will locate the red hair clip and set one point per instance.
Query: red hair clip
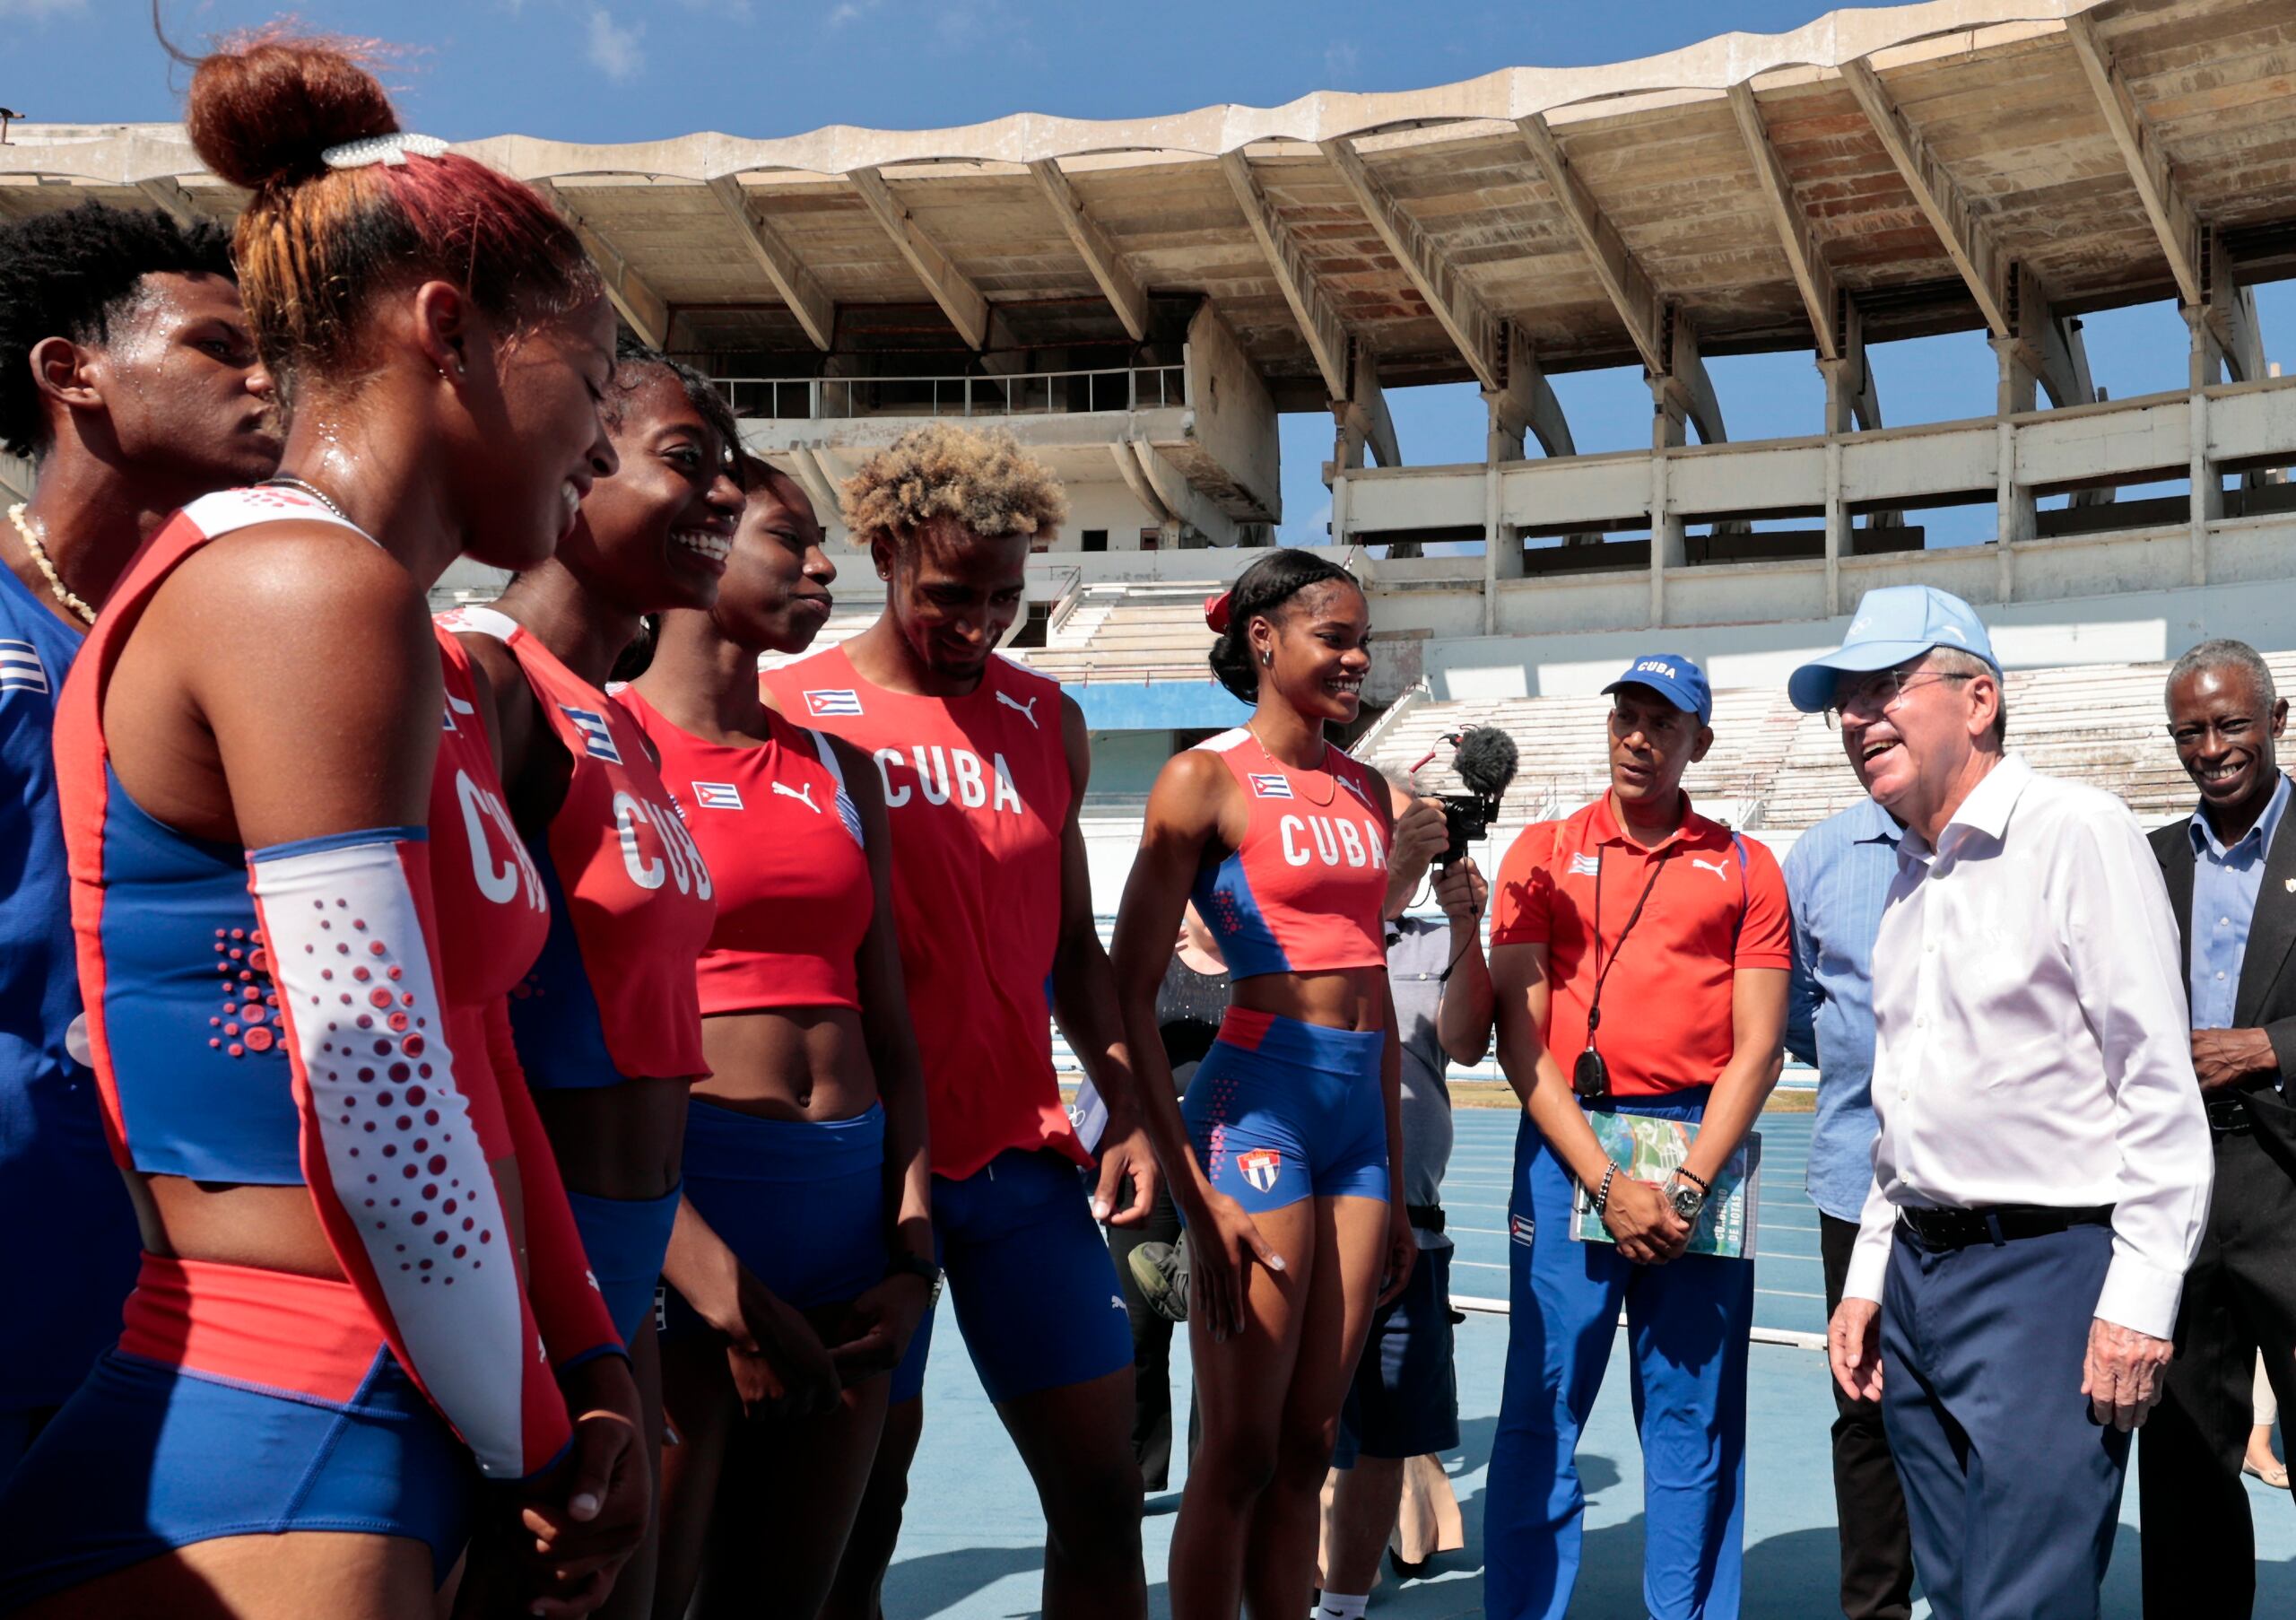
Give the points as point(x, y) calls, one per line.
point(1215, 611)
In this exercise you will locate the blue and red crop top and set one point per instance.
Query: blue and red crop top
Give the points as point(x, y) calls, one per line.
point(784, 846)
point(1306, 891)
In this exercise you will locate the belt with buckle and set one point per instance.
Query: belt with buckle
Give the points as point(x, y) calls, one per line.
point(1942, 1229)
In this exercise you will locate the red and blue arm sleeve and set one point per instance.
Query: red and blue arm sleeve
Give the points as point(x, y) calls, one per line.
point(575, 1325)
point(390, 1149)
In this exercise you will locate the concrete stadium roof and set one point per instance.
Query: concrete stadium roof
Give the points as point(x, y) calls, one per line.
point(1907, 169)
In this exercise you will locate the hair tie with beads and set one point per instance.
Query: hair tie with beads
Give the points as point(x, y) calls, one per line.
point(1215, 611)
point(390, 149)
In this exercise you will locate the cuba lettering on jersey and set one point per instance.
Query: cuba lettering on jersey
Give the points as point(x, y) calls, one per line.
point(1306, 891)
point(632, 900)
point(784, 844)
point(330, 1065)
point(978, 792)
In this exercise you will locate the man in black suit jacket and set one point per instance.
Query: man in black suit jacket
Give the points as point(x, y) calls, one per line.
point(2231, 870)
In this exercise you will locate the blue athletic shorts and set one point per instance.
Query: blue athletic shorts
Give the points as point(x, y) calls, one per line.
point(148, 1458)
point(1404, 1401)
point(625, 1240)
point(1034, 1287)
point(1280, 1111)
point(801, 1203)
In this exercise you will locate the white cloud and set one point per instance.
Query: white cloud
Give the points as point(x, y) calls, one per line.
point(40, 11)
point(615, 50)
point(846, 13)
point(1340, 59)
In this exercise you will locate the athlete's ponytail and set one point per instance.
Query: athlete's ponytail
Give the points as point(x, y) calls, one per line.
point(346, 206)
point(1260, 592)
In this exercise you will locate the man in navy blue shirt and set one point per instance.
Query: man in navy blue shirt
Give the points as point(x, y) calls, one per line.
point(1836, 875)
point(128, 380)
point(2230, 871)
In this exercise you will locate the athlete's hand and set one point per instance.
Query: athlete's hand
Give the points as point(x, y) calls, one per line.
point(878, 1325)
point(1125, 1154)
point(779, 1364)
point(588, 1515)
point(1224, 1243)
point(1649, 1230)
point(1854, 1346)
point(1403, 1253)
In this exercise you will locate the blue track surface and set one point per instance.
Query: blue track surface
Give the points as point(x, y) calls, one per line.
point(972, 1548)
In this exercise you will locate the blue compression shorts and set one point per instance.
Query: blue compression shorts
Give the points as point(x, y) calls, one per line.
point(801, 1203)
point(1280, 1111)
point(625, 1240)
point(148, 1458)
point(1034, 1287)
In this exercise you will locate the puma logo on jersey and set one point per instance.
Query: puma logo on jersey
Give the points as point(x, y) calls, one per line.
point(804, 797)
point(456, 706)
point(1027, 712)
point(597, 736)
point(830, 702)
point(1715, 867)
point(942, 774)
point(1334, 839)
point(1356, 787)
point(716, 796)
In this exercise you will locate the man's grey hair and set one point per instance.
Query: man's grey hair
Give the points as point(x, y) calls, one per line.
point(2224, 653)
point(1956, 660)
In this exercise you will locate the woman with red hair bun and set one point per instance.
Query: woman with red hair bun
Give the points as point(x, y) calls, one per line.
point(363, 1317)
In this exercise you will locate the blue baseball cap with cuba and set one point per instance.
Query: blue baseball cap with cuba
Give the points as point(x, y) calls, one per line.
point(1893, 623)
point(1672, 677)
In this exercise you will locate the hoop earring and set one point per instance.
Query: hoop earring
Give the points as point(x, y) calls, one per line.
point(1267, 657)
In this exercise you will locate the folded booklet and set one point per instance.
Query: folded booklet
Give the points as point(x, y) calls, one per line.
point(1651, 1149)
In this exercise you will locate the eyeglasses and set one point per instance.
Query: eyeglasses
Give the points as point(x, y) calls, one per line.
point(1883, 692)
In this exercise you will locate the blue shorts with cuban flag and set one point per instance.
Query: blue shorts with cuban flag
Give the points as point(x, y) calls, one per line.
point(1280, 1111)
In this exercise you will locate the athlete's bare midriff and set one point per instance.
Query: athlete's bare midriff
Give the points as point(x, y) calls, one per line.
point(1347, 998)
point(621, 1141)
point(799, 1064)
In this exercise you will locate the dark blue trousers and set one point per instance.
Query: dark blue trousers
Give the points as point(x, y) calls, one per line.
point(1687, 1322)
point(2013, 1493)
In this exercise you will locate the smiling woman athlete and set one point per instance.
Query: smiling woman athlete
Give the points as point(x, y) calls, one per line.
point(805, 1171)
point(1287, 1166)
point(608, 1029)
point(247, 751)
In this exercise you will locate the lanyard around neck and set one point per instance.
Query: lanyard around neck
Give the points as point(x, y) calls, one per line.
point(1602, 969)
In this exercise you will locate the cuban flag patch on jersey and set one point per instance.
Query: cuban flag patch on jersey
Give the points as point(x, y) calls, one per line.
point(20, 669)
point(597, 737)
point(1260, 1166)
point(1274, 785)
point(831, 702)
point(716, 796)
point(1585, 866)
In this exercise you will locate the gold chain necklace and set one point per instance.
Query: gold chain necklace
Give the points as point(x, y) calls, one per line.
point(86, 613)
point(1322, 769)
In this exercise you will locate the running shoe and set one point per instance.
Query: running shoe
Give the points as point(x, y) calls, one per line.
point(1160, 1271)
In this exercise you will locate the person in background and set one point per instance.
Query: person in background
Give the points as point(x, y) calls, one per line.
point(1649, 947)
point(2231, 870)
point(128, 378)
point(1836, 875)
point(1405, 1402)
point(2041, 1167)
point(1151, 1264)
point(2261, 1461)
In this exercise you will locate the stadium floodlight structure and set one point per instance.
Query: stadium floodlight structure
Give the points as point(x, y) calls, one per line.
point(1139, 298)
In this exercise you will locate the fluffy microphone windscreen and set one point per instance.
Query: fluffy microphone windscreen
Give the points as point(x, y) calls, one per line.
point(1486, 761)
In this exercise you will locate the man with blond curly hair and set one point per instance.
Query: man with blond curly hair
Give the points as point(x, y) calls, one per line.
point(984, 764)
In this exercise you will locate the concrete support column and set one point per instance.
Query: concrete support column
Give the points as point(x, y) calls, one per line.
point(2013, 505)
point(2206, 499)
point(2019, 386)
point(1339, 535)
point(1837, 526)
point(1669, 424)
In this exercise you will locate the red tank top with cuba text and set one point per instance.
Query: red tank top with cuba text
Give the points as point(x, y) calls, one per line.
point(1306, 892)
point(630, 898)
point(976, 791)
point(784, 845)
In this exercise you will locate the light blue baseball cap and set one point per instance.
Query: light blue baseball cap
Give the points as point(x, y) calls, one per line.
point(1894, 622)
point(1672, 677)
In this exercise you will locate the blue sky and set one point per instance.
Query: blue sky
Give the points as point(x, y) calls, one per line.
point(617, 69)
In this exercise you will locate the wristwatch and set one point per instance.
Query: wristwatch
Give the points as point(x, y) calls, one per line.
point(1686, 1196)
point(900, 1262)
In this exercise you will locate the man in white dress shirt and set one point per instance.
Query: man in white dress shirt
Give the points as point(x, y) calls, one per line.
point(2042, 1172)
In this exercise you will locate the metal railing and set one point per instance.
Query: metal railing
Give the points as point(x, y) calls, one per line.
point(1022, 394)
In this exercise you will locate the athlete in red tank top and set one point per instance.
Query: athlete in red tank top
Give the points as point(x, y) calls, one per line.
point(1288, 1149)
point(982, 765)
point(608, 1028)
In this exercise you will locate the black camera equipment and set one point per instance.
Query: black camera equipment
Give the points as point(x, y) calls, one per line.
point(1484, 758)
